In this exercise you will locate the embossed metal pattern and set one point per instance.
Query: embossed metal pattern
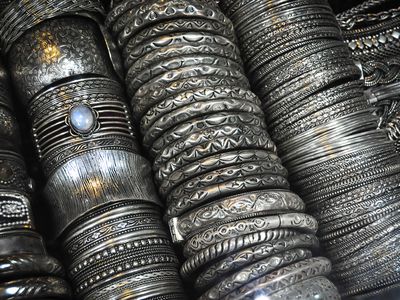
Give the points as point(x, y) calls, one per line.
point(27, 271)
point(215, 164)
point(317, 113)
point(102, 204)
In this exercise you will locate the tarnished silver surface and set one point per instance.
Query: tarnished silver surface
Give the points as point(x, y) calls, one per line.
point(225, 210)
point(54, 50)
point(215, 164)
point(252, 254)
point(99, 195)
point(27, 271)
point(255, 271)
point(34, 288)
point(126, 242)
point(20, 16)
point(317, 113)
point(286, 276)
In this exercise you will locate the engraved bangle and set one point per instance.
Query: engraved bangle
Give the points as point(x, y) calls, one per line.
point(96, 166)
point(34, 71)
point(211, 163)
point(163, 86)
point(368, 154)
point(228, 51)
point(244, 257)
point(29, 265)
point(197, 197)
point(202, 240)
point(197, 109)
point(323, 98)
point(118, 9)
point(168, 27)
point(229, 246)
point(207, 135)
point(312, 108)
point(142, 18)
point(241, 206)
point(197, 126)
point(287, 276)
point(363, 193)
point(318, 287)
point(54, 128)
point(135, 53)
point(213, 147)
point(120, 242)
point(35, 288)
point(284, 36)
point(225, 174)
point(330, 57)
point(255, 271)
point(265, 56)
point(372, 205)
point(170, 105)
point(331, 231)
point(306, 84)
point(20, 16)
point(276, 31)
point(371, 233)
point(136, 80)
point(15, 209)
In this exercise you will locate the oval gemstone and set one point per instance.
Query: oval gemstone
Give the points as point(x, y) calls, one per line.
point(82, 119)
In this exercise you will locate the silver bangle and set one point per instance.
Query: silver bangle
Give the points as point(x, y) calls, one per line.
point(263, 202)
point(225, 247)
point(255, 253)
point(151, 93)
point(254, 271)
point(211, 163)
point(203, 239)
point(58, 54)
point(173, 104)
point(195, 126)
point(287, 276)
point(319, 286)
point(196, 197)
point(261, 142)
point(35, 288)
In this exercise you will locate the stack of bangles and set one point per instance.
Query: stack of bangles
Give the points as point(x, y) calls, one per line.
point(244, 233)
point(26, 270)
point(102, 202)
point(374, 41)
point(345, 169)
